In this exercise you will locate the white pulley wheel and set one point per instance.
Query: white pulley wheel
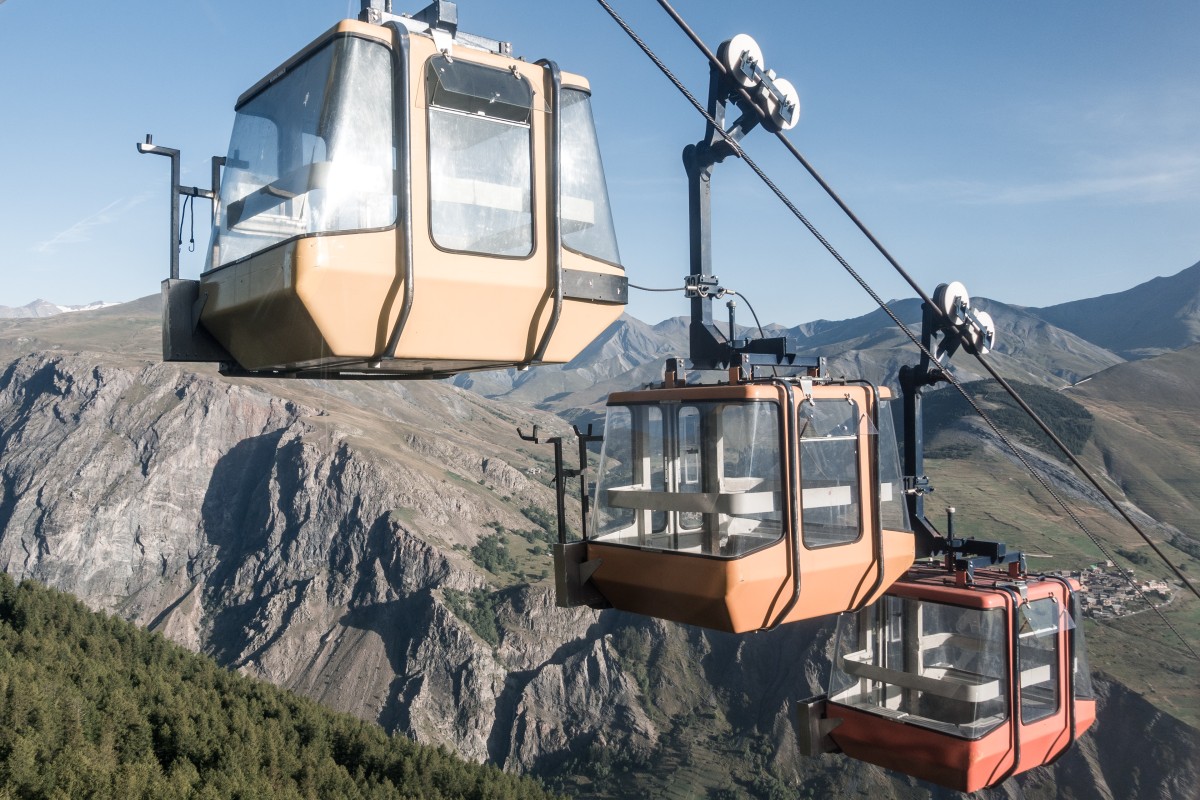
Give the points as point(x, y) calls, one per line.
point(731, 54)
point(954, 302)
point(983, 338)
point(785, 115)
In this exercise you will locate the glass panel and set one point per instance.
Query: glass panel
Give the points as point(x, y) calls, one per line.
point(829, 472)
point(1083, 672)
point(479, 179)
point(851, 640)
point(1038, 636)
point(893, 511)
point(703, 478)
point(586, 216)
point(631, 457)
point(480, 176)
point(476, 89)
point(312, 153)
point(930, 664)
point(750, 456)
point(689, 463)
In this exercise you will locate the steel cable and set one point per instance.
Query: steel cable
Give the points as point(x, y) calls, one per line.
point(950, 378)
point(804, 162)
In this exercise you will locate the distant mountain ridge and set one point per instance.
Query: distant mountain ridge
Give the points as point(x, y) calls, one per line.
point(44, 308)
point(631, 353)
point(1053, 346)
point(1154, 317)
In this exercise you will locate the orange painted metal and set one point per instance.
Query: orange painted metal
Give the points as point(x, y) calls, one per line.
point(753, 591)
point(333, 299)
point(968, 765)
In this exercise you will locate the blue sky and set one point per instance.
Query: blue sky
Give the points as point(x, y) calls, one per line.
point(1038, 152)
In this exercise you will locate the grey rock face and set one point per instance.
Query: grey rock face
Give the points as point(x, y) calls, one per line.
point(295, 545)
point(314, 535)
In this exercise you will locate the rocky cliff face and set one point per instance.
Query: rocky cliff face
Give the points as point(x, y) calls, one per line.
point(320, 536)
point(311, 543)
point(297, 545)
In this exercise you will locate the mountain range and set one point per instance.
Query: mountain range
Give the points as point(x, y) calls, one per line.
point(1053, 346)
point(380, 547)
point(1155, 317)
point(44, 308)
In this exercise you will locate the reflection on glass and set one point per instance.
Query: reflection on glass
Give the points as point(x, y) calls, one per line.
point(893, 512)
point(1037, 636)
point(312, 153)
point(586, 216)
point(829, 472)
point(930, 664)
point(703, 478)
point(480, 180)
point(480, 184)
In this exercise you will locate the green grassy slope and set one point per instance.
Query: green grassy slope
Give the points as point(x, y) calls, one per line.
point(1147, 435)
point(1134, 426)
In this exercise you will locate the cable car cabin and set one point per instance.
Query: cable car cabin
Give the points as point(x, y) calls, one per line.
point(741, 506)
point(396, 200)
point(963, 686)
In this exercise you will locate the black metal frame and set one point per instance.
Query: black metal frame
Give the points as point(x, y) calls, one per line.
point(182, 337)
point(572, 570)
point(963, 556)
point(710, 348)
point(212, 194)
point(561, 473)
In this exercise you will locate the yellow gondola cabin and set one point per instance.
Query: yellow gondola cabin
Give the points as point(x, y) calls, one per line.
point(402, 200)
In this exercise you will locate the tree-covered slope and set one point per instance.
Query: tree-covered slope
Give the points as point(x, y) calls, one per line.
point(1070, 421)
point(92, 706)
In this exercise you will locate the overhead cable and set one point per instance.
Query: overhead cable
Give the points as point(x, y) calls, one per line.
point(804, 162)
point(738, 151)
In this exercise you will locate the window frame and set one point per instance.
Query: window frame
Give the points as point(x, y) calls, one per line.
point(672, 461)
point(399, 123)
point(857, 438)
point(534, 173)
point(1054, 637)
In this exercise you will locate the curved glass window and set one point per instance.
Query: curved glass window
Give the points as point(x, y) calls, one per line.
point(831, 509)
point(587, 225)
point(893, 511)
point(691, 477)
point(1082, 672)
point(1037, 633)
point(935, 665)
point(311, 153)
point(480, 176)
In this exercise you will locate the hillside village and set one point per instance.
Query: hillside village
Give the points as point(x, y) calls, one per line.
point(1109, 591)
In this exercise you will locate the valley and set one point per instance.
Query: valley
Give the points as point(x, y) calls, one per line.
point(381, 548)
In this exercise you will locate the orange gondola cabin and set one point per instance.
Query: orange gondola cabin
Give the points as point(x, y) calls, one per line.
point(744, 505)
point(772, 496)
point(961, 685)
